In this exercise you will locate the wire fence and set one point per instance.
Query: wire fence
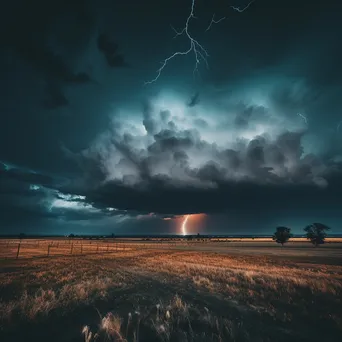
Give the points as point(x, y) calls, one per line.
point(33, 248)
point(15, 249)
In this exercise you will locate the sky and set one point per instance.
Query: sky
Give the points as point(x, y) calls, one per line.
point(124, 117)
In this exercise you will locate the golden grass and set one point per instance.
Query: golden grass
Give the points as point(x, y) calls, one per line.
point(187, 295)
point(175, 321)
point(30, 248)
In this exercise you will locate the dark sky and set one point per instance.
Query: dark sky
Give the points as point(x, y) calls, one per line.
point(94, 140)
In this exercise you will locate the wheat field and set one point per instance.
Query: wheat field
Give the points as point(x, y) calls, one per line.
point(157, 291)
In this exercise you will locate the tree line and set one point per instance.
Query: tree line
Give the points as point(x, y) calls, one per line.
point(315, 232)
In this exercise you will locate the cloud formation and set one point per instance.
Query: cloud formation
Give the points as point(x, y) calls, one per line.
point(30, 197)
point(231, 141)
point(50, 38)
point(174, 152)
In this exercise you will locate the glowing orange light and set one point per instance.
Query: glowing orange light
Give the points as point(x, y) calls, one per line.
point(195, 218)
point(184, 224)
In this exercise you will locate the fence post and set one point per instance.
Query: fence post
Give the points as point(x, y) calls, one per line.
point(18, 250)
point(72, 247)
point(48, 254)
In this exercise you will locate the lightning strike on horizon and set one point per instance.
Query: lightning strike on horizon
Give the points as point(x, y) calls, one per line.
point(184, 225)
point(199, 51)
point(213, 21)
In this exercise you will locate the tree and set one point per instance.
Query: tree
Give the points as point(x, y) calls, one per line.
point(316, 233)
point(22, 236)
point(282, 235)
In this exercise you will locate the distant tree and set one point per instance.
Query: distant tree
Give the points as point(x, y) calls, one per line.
point(316, 233)
point(22, 236)
point(71, 236)
point(282, 235)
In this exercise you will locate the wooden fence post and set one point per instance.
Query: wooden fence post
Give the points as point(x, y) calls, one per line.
point(81, 248)
point(18, 250)
point(72, 248)
point(48, 254)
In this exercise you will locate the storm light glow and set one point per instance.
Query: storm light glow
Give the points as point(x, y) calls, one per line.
point(184, 231)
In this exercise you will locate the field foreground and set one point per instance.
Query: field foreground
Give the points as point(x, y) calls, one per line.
point(160, 294)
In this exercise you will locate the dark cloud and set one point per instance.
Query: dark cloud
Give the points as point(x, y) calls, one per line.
point(149, 122)
point(227, 198)
point(176, 171)
point(110, 51)
point(244, 113)
point(236, 146)
point(27, 176)
point(200, 123)
point(194, 100)
point(55, 97)
point(29, 34)
point(34, 199)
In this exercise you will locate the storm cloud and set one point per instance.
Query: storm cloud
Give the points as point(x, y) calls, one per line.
point(181, 166)
point(252, 137)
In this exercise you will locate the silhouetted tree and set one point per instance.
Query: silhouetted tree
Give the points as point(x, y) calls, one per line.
point(282, 235)
point(316, 233)
point(22, 236)
point(71, 236)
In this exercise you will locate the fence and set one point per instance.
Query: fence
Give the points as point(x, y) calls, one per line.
point(15, 249)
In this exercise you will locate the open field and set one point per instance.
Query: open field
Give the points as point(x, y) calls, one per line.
point(170, 291)
point(330, 252)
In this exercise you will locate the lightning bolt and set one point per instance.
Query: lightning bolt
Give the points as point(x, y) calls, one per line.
point(200, 53)
point(303, 117)
point(184, 225)
point(240, 10)
point(213, 21)
point(195, 47)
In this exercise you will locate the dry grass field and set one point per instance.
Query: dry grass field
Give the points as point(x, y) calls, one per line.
point(165, 291)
